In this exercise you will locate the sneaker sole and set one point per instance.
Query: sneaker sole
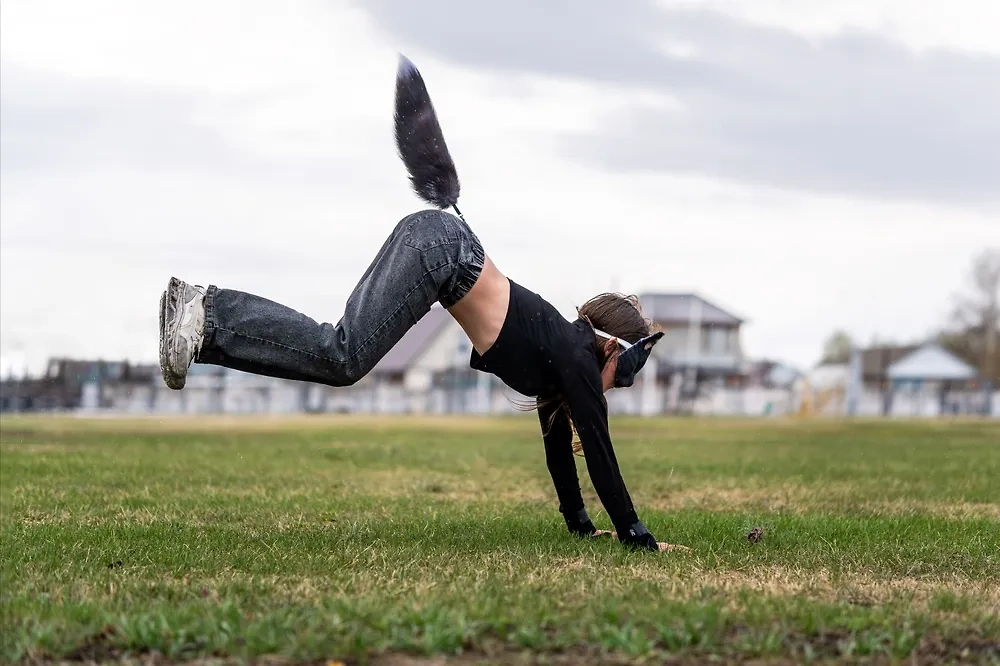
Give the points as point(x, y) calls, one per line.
point(163, 335)
point(171, 311)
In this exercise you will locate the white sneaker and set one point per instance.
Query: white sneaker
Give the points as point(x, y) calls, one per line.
point(182, 325)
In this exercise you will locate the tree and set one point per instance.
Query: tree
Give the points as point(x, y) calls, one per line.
point(975, 320)
point(837, 348)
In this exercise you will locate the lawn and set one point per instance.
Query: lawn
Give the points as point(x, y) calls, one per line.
point(437, 540)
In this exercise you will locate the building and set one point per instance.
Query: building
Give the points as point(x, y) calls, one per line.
point(930, 381)
point(701, 351)
point(71, 385)
point(911, 380)
point(876, 361)
point(427, 371)
point(697, 334)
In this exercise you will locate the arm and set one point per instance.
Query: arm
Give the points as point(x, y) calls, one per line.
point(583, 390)
point(558, 439)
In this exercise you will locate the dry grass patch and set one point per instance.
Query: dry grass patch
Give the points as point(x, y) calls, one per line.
point(12, 427)
point(799, 499)
point(817, 585)
point(488, 483)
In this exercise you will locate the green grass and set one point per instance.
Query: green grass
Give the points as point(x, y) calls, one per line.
point(368, 539)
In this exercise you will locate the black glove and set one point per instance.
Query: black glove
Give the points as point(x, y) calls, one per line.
point(579, 523)
point(639, 538)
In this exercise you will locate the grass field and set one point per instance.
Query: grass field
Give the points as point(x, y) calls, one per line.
point(418, 541)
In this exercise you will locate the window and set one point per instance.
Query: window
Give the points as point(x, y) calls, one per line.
point(717, 341)
point(463, 348)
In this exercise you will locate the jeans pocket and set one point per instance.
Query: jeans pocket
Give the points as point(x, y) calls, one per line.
point(431, 229)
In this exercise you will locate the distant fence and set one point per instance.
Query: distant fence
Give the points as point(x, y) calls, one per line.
point(764, 402)
point(274, 396)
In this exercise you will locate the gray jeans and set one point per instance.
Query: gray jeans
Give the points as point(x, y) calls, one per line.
point(430, 257)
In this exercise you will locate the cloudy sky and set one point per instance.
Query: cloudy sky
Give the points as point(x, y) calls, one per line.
point(807, 164)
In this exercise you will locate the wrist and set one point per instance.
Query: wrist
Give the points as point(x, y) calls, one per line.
point(638, 536)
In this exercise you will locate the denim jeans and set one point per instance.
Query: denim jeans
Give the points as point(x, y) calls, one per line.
point(430, 257)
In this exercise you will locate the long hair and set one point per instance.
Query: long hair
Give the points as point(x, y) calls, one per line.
point(618, 315)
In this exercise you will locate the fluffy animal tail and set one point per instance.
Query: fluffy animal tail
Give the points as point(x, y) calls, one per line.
point(420, 142)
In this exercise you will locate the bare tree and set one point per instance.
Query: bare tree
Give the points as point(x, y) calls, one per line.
point(973, 333)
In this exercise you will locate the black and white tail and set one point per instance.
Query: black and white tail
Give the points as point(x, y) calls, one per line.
point(420, 142)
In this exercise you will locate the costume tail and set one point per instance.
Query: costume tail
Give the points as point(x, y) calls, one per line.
point(420, 141)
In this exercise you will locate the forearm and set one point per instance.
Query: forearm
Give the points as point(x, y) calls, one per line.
point(614, 496)
point(608, 484)
point(611, 490)
point(602, 466)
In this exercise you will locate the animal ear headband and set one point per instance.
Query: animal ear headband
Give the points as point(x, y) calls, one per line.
point(634, 356)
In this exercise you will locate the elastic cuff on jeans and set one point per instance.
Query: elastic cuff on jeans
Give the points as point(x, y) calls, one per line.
point(208, 334)
point(467, 273)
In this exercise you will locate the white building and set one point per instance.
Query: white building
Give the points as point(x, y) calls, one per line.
point(918, 380)
point(696, 367)
point(932, 381)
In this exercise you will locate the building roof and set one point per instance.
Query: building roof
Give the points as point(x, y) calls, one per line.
point(875, 361)
point(677, 308)
point(414, 342)
point(931, 362)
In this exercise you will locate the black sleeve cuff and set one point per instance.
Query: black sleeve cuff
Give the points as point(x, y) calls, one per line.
point(638, 537)
point(579, 523)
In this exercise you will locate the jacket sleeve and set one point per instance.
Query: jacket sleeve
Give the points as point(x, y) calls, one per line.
point(583, 390)
point(557, 436)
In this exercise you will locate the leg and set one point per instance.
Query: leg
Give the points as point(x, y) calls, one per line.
point(429, 257)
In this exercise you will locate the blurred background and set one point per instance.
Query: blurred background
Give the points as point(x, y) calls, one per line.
point(805, 194)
